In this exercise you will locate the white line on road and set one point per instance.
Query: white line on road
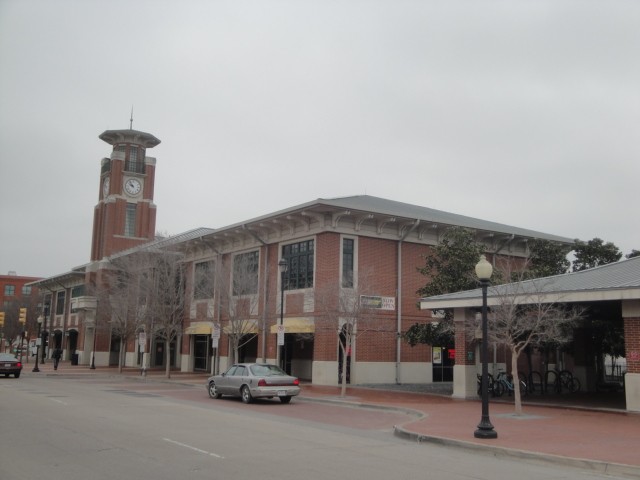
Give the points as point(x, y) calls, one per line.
point(192, 448)
point(59, 401)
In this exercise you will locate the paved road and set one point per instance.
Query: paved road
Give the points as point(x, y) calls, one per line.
point(105, 428)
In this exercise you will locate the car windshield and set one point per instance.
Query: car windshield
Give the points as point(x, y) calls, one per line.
point(7, 357)
point(266, 371)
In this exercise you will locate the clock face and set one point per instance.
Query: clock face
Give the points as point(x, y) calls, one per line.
point(132, 186)
point(105, 188)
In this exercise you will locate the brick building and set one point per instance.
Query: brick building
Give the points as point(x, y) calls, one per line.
point(362, 246)
point(15, 293)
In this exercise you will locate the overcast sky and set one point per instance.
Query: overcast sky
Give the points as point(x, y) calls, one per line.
point(521, 112)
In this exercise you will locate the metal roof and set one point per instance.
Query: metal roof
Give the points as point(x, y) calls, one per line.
point(59, 279)
point(166, 242)
point(382, 206)
point(614, 281)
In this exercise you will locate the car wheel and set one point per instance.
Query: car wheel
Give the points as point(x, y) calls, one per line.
point(213, 391)
point(16, 374)
point(286, 399)
point(246, 394)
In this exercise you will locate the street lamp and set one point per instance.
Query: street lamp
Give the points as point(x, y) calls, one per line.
point(93, 353)
point(485, 429)
point(282, 266)
point(45, 333)
point(38, 339)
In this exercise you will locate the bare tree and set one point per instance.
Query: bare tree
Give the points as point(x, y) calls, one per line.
point(120, 297)
point(525, 316)
point(350, 312)
point(163, 297)
point(237, 285)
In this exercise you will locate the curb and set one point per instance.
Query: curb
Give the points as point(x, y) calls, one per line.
point(370, 406)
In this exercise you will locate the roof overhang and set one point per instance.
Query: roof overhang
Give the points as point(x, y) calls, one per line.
point(473, 298)
point(58, 280)
point(199, 328)
point(296, 325)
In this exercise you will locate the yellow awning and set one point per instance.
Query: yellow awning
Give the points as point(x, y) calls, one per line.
point(296, 325)
point(198, 329)
point(243, 327)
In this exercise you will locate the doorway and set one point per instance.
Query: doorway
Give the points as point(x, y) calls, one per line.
point(443, 360)
point(200, 352)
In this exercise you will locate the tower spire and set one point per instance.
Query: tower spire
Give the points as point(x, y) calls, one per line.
point(131, 119)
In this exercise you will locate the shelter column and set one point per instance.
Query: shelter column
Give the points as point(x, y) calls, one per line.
point(631, 315)
point(465, 370)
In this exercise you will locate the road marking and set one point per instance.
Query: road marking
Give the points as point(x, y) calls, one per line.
point(192, 448)
point(59, 401)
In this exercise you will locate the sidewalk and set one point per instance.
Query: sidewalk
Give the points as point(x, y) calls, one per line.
point(603, 440)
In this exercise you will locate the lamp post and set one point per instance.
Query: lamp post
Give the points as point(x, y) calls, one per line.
point(485, 428)
point(38, 338)
point(93, 352)
point(45, 333)
point(282, 266)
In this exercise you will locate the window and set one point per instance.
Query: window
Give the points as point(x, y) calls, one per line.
point(135, 161)
point(9, 290)
point(130, 221)
point(245, 273)
point(299, 257)
point(26, 290)
point(203, 280)
point(77, 291)
point(106, 166)
point(60, 303)
point(347, 262)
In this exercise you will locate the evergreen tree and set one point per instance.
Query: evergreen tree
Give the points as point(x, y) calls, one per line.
point(450, 268)
point(594, 253)
point(547, 258)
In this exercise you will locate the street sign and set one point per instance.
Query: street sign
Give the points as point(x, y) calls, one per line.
point(215, 336)
point(280, 333)
point(142, 341)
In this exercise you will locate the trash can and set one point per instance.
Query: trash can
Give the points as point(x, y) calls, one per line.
point(74, 359)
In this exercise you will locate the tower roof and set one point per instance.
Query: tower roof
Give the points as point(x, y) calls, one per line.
point(129, 136)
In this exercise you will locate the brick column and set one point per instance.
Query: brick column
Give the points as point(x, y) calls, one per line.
point(464, 371)
point(631, 315)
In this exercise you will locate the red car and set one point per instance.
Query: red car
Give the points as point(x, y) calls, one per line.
point(10, 365)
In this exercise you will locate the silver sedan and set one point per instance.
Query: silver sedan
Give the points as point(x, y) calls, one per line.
point(254, 380)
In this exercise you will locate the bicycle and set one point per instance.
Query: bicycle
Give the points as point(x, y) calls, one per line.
point(561, 379)
point(504, 383)
point(569, 382)
point(491, 385)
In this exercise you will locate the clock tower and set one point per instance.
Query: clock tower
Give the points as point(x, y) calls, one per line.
point(125, 215)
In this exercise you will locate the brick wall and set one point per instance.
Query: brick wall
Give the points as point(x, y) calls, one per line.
point(632, 343)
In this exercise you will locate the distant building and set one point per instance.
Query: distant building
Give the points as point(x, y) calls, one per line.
point(17, 292)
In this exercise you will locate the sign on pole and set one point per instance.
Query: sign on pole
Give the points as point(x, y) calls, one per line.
point(215, 336)
point(280, 335)
point(142, 341)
